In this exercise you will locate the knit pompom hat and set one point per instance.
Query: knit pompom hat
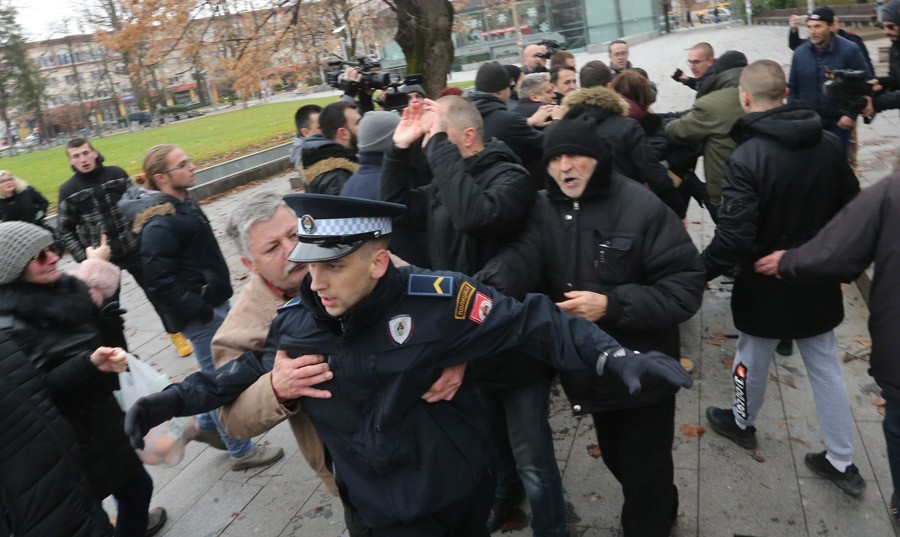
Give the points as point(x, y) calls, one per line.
point(19, 243)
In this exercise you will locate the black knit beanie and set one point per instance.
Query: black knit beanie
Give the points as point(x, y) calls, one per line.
point(575, 136)
point(491, 78)
point(891, 12)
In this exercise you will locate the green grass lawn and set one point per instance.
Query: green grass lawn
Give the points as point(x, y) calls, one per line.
point(208, 140)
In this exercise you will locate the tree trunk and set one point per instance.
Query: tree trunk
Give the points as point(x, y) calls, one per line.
point(424, 31)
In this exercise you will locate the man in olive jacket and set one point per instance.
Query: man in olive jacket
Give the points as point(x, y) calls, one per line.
point(709, 122)
point(784, 182)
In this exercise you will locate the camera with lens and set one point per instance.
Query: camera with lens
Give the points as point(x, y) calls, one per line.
point(371, 79)
point(552, 47)
point(851, 86)
point(396, 95)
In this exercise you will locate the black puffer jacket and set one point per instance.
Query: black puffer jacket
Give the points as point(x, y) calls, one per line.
point(185, 273)
point(509, 127)
point(43, 488)
point(783, 183)
point(632, 157)
point(58, 323)
point(619, 240)
point(26, 205)
point(327, 165)
point(889, 98)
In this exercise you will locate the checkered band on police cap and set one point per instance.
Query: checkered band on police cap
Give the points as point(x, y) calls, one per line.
point(19, 243)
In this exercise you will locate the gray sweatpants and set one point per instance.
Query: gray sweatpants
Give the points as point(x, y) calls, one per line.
point(750, 373)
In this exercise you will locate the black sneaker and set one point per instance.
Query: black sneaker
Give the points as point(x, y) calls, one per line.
point(722, 421)
point(502, 508)
point(785, 347)
point(211, 438)
point(849, 480)
point(156, 519)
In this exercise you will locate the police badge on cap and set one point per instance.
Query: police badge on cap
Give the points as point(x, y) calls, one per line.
point(334, 226)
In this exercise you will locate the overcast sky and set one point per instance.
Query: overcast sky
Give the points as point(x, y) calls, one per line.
point(42, 18)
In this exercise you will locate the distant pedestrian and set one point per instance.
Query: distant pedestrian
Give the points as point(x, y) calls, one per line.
point(20, 201)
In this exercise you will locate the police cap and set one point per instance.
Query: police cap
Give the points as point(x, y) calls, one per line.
point(330, 227)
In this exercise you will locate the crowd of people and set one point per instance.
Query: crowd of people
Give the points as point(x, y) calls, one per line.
point(408, 312)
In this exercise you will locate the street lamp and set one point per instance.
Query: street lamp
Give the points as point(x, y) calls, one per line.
point(340, 30)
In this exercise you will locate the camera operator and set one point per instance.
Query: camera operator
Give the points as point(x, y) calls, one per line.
point(887, 88)
point(354, 92)
point(534, 59)
point(817, 60)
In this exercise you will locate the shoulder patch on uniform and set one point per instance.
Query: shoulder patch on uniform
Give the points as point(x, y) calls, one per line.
point(463, 298)
point(290, 303)
point(481, 308)
point(430, 285)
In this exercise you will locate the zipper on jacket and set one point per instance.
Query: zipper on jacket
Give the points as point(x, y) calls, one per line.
point(576, 207)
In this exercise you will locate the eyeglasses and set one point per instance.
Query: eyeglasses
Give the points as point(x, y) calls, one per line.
point(696, 62)
point(180, 166)
point(41, 257)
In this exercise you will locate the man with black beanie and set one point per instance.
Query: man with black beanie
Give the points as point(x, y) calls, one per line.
point(605, 248)
point(492, 92)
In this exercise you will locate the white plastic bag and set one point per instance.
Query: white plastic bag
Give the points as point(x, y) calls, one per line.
point(163, 444)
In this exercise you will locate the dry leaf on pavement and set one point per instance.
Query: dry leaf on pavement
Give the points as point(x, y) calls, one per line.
point(594, 451)
point(692, 431)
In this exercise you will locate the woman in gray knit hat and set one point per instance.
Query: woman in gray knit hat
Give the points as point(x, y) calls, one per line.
point(52, 316)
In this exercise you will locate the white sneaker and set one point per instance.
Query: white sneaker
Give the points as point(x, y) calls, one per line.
point(256, 457)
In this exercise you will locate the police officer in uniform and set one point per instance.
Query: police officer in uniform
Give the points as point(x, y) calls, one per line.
point(376, 337)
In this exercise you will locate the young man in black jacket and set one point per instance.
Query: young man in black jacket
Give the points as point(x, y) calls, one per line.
point(606, 249)
point(858, 236)
point(783, 183)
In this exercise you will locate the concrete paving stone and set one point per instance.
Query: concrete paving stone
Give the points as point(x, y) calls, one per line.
point(180, 494)
point(687, 482)
point(271, 511)
point(321, 515)
point(831, 512)
point(601, 532)
point(880, 485)
point(595, 494)
point(215, 510)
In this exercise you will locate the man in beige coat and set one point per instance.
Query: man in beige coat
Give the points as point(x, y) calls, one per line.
point(265, 232)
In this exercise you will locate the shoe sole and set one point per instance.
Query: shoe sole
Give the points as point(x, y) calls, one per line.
point(159, 525)
point(751, 444)
point(841, 485)
point(238, 466)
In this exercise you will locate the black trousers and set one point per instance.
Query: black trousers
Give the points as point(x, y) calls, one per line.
point(636, 445)
point(464, 518)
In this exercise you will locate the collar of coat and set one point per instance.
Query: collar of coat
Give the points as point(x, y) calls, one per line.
point(326, 165)
point(165, 208)
point(64, 304)
point(367, 312)
point(598, 97)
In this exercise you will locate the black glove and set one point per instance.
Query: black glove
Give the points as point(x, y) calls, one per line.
point(630, 366)
point(148, 412)
point(676, 76)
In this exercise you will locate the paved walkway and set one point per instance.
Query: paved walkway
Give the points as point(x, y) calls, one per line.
point(725, 490)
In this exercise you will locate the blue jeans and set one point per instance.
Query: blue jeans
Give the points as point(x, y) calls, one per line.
point(200, 336)
point(892, 437)
point(523, 447)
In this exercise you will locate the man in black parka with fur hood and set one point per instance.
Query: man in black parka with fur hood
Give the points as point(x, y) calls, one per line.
point(631, 156)
point(606, 249)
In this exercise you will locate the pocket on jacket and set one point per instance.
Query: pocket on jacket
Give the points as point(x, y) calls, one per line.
point(614, 260)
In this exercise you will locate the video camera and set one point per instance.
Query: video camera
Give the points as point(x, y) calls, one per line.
point(552, 47)
point(396, 94)
point(372, 78)
point(852, 87)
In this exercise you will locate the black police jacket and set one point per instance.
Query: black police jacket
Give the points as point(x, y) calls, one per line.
point(398, 458)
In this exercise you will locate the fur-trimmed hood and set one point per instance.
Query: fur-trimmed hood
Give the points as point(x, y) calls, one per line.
point(144, 206)
point(599, 97)
point(326, 165)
